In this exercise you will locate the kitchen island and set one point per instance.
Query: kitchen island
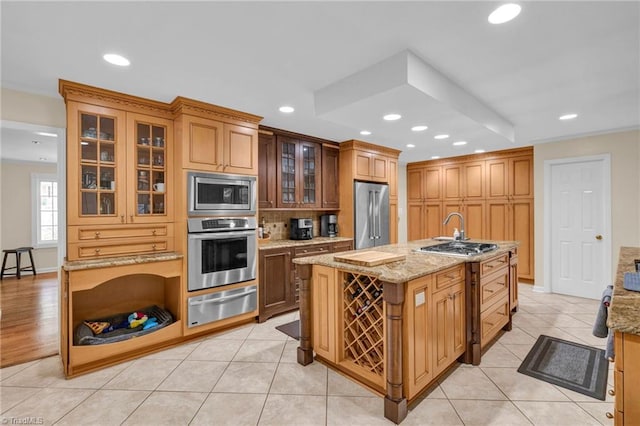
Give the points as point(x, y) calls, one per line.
point(624, 320)
point(396, 327)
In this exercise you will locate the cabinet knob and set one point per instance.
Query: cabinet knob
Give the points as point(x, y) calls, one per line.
point(97, 234)
point(122, 218)
point(97, 251)
point(131, 216)
point(153, 246)
point(609, 415)
point(612, 392)
point(153, 232)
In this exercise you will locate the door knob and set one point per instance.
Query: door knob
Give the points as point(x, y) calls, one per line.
point(598, 237)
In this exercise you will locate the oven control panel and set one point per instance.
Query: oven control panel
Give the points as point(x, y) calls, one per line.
point(221, 224)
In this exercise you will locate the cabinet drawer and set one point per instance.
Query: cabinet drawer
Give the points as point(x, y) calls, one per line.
point(449, 277)
point(492, 320)
point(311, 250)
point(87, 250)
point(342, 246)
point(493, 287)
point(111, 232)
point(493, 264)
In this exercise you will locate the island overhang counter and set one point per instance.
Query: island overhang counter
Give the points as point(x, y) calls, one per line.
point(396, 327)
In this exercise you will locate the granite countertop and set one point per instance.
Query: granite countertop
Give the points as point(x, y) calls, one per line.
point(414, 266)
point(77, 265)
point(293, 243)
point(624, 312)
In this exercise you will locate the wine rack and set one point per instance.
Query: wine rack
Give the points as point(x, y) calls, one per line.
point(363, 314)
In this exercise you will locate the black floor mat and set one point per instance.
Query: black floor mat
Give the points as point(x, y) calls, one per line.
point(291, 329)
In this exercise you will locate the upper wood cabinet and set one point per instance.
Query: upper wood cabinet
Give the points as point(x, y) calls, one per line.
point(330, 175)
point(214, 146)
point(267, 170)
point(510, 177)
point(370, 166)
point(298, 165)
point(297, 171)
point(119, 173)
point(463, 180)
point(215, 139)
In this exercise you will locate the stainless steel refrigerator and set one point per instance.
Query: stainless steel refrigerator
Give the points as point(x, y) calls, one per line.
point(371, 213)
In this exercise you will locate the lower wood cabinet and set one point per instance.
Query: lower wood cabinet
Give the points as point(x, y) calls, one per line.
point(435, 326)
point(279, 284)
point(103, 290)
point(626, 379)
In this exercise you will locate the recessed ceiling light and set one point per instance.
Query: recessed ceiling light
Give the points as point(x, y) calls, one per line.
point(365, 132)
point(52, 135)
point(479, 151)
point(36, 142)
point(419, 128)
point(392, 117)
point(43, 159)
point(116, 59)
point(504, 13)
point(286, 109)
point(460, 143)
point(441, 136)
point(435, 157)
point(410, 145)
point(567, 117)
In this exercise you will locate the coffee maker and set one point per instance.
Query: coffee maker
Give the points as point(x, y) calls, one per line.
point(328, 225)
point(300, 229)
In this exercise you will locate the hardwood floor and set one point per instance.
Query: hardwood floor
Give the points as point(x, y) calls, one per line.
point(29, 318)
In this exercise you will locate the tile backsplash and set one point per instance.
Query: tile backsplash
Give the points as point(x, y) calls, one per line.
point(277, 223)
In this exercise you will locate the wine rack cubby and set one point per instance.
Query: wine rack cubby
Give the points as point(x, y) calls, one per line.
point(363, 326)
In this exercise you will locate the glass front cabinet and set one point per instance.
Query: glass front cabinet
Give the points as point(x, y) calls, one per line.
point(117, 166)
point(299, 172)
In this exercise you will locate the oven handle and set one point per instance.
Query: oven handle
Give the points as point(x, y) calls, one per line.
point(220, 235)
point(222, 299)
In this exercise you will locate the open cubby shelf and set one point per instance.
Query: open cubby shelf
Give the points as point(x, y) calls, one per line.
point(363, 314)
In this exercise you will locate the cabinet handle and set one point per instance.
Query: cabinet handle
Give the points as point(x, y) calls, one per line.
point(122, 218)
point(97, 251)
point(490, 266)
point(153, 246)
point(609, 415)
point(488, 290)
point(451, 277)
point(131, 216)
point(153, 232)
point(97, 234)
point(612, 392)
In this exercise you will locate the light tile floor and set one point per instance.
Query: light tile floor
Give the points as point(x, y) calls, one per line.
point(249, 376)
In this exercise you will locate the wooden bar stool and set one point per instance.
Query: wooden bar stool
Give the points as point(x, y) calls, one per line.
point(18, 252)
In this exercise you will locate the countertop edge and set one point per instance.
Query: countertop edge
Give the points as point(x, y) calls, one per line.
point(624, 311)
point(77, 265)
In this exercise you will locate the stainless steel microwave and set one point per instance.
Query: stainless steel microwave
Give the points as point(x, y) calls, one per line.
point(214, 194)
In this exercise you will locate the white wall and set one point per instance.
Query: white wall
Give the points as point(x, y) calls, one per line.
point(23, 107)
point(17, 212)
point(624, 149)
point(402, 202)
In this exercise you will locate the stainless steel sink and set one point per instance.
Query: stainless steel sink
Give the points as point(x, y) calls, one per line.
point(459, 248)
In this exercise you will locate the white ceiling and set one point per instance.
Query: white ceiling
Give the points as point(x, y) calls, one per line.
point(555, 58)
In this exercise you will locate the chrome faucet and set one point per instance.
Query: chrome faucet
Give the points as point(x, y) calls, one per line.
point(462, 236)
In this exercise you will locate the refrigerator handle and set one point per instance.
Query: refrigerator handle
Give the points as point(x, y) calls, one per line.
point(376, 198)
point(370, 225)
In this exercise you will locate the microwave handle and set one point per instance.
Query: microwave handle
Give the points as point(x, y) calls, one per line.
point(222, 299)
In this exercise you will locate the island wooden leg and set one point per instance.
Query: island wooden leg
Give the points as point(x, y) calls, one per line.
point(305, 350)
point(395, 404)
point(473, 352)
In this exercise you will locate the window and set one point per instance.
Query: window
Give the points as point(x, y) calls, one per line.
point(45, 209)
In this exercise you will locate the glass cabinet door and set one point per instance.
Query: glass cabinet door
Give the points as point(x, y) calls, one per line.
point(309, 174)
point(97, 177)
point(150, 172)
point(288, 173)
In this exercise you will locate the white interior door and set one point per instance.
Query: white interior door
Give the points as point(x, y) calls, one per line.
point(579, 243)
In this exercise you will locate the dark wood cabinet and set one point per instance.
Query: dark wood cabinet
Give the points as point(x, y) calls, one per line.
point(276, 291)
point(279, 283)
point(330, 174)
point(297, 171)
point(267, 170)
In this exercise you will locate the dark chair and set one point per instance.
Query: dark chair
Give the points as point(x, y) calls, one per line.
point(18, 252)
